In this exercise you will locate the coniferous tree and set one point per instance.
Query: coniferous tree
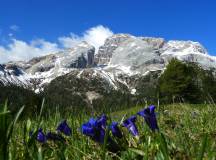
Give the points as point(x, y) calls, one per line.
point(179, 83)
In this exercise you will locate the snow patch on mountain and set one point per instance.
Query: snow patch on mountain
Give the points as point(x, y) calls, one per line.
point(188, 51)
point(181, 48)
point(12, 75)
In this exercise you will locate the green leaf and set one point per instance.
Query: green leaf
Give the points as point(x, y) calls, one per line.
point(203, 147)
point(137, 151)
point(163, 146)
point(40, 155)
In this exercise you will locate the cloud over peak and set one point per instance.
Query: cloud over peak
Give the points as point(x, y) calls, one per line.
point(20, 50)
point(94, 36)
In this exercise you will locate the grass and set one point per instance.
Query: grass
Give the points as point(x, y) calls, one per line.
point(186, 132)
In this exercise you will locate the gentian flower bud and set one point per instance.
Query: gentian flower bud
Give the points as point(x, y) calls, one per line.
point(150, 117)
point(88, 128)
point(64, 128)
point(101, 121)
point(115, 130)
point(131, 126)
point(95, 128)
point(41, 136)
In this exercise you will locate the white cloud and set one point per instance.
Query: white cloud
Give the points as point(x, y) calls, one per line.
point(14, 28)
point(97, 35)
point(94, 36)
point(20, 50)
point(70, 41)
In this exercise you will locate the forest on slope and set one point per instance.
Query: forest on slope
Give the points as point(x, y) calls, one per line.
point(179, 82)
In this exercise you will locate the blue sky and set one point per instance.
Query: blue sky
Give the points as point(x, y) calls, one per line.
point(27, 21)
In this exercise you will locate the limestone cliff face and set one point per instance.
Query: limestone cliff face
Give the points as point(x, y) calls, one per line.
point(105, 52)
point(150, 53)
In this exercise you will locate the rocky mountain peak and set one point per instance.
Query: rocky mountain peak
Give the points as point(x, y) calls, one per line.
point(137, 54)
point(183, 47)
point(41, 70)
point(188, 51)
point(105, 52)
point(122, 55)
point(157, 43)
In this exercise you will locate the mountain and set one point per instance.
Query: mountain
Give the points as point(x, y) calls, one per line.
point(37, 72)
point(124, 63)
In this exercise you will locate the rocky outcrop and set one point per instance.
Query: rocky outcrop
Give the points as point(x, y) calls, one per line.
point(150, 53)
point(138, 55)
point(11, 74)
point(156, 43)
point(188, 51)
point(80, 56)
point(105, 52)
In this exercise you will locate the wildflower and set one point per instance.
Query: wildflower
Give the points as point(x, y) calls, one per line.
point(88, 128)
point(95, 128)
point(131, 126)
point(150, 117)
point(41, 136)
point(54, 137)
point(115, 130)
point(102, 121)
point(64, 128)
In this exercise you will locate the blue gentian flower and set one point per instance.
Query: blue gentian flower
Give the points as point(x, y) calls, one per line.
point(89, 127)
point(54, 137)
point(41, 137)
point(64, 128)
point(95, 128)
point(115, 130)
point(150, 117)
point(131, 126)
point(102, 121)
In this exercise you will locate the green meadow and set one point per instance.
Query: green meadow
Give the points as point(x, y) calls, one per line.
point(185, 132)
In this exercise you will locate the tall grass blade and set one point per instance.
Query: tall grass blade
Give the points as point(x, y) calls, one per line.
point(41, 110)
point(10, 131)
point(203, 147)
point(164, 147)
point(6, 130)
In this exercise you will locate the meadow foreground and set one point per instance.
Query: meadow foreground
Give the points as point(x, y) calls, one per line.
point(183, 132)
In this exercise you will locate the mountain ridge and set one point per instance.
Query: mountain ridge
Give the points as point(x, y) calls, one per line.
point(122, 55)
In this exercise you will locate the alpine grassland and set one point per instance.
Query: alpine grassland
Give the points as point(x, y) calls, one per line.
point(174, 131)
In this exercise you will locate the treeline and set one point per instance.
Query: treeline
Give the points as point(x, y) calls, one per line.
point(187, 82)
point(179, 82)
point(16, 97)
